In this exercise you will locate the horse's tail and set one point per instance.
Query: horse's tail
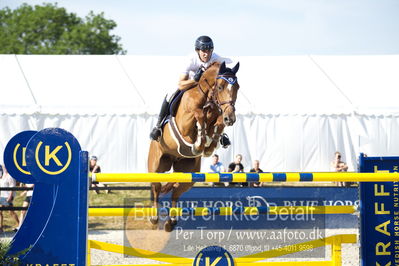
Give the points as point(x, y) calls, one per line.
point(168, 187)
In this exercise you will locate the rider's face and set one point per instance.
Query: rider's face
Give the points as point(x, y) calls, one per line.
point(205, 55)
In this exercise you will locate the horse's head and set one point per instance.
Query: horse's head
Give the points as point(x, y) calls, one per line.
point(225, 92)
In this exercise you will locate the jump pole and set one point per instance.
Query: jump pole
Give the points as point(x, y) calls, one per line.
point(206, 211)
point(247, 177)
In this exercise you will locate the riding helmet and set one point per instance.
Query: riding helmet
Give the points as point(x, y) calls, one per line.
point(203, 43)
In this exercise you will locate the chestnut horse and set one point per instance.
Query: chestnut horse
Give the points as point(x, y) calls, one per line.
point(203, 112)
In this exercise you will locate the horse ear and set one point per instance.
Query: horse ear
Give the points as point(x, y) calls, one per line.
point(222, 68)
point(235, 68)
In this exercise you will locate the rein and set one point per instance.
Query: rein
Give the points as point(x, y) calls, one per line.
point(212, 94)
point(209, 97)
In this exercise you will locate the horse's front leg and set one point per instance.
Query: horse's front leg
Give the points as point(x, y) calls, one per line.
point(199, 144)
point(213, 137)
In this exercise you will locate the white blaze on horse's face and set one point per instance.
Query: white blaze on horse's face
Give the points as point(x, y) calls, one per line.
point(227, 87)
point(227, 95)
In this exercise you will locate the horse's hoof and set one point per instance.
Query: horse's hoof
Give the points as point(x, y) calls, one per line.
point(154, 220)
point(169, 225)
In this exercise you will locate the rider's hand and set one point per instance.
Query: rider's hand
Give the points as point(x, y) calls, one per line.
point(198, 74)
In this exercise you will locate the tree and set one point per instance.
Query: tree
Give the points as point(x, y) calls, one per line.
point(49, 29)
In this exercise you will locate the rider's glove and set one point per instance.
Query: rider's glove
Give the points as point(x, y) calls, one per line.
point(198, 74)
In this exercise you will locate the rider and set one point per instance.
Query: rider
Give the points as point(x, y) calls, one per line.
point(198, 62)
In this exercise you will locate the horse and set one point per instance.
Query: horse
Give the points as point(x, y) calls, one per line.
point(204, 111)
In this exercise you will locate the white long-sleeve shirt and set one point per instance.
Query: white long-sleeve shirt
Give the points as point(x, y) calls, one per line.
point(194, 63)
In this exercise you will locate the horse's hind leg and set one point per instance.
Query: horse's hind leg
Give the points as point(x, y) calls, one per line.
point(157, 163)
point(155, 189)
point(184, 165)
point(172, 221)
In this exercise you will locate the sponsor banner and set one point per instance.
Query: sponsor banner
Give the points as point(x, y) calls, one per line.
point(242, 233)
point(379, 213)
point(280, 196)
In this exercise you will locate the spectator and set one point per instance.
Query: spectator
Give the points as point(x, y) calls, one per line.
point(337, 165)
point(256, 169)
point(237, 167)
point(95, 168)
point(217, 167)
point(26, 202)
point(7, 197)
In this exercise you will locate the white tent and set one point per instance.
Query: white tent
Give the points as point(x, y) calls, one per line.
point(294, 112)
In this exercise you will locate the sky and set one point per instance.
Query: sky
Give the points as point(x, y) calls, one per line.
point(248, 27)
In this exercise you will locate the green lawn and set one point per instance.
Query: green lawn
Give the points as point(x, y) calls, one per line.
point(117, 198)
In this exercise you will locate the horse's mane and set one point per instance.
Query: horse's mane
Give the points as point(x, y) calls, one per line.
point(210, 71)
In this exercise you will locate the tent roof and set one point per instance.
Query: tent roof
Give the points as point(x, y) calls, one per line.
point(109, 84)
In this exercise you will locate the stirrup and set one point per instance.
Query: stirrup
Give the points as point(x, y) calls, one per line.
point(156, 133)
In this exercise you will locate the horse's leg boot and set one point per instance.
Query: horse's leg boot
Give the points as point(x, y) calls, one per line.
point(225, 141)
point(156, 132)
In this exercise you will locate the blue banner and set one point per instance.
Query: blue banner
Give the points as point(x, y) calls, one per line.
point(258, 197)
point(250, 234)
point(379, 213)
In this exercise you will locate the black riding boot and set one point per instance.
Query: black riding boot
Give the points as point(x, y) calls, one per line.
point(156, 132)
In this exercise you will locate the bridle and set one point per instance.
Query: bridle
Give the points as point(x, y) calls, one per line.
point(231, 79)
point(213, 96)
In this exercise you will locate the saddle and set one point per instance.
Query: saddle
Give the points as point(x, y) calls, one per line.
point(185, 149)
point(174, 104)
point(175, 101)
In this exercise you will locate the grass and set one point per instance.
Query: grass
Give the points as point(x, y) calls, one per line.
point(116, 198)
point(8, 222)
